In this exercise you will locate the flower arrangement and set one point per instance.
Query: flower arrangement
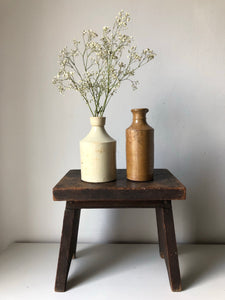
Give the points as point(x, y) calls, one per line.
point(98, 68)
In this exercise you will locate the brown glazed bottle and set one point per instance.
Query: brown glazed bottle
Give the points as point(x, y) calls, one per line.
point(140, 147)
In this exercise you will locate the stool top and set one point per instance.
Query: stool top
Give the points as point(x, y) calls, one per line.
point(165, 186)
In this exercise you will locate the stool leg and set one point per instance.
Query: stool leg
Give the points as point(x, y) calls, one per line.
point(170, 246)
point(67, 247)
point(76, 227)
point(160, 231)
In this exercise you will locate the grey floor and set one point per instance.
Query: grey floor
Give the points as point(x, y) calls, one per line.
point(111, 271)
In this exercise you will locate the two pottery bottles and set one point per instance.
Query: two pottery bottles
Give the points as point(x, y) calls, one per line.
point(98, 151)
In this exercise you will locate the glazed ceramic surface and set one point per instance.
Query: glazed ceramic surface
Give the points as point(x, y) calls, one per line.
point(140, 147)
point(98, 154)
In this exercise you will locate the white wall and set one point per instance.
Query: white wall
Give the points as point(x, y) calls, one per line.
point(40, 130)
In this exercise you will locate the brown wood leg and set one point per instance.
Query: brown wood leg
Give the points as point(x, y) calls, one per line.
point(170, 246)
point(67, 246)
point(160, 231)
point(76, 227)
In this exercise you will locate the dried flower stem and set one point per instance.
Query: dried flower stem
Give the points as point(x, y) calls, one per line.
point(102, 68)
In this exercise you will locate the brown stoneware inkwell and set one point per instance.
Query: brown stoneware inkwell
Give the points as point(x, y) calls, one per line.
point(140, 147)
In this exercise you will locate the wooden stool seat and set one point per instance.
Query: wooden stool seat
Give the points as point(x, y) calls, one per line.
point(121, 193)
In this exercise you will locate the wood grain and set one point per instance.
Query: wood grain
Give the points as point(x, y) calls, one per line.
point(160, 231)
point(170, 247)
point(164, 187)
point(67, 247)
point(121, 193)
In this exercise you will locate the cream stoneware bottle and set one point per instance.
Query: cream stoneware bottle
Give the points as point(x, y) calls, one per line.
point(98, 154)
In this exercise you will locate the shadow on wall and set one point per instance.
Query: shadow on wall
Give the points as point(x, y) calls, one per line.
point(135, 225)
point(189, 152)
point(204, 177)
point(204, 202)
point(198, 163)
point(14, 171)
point(16, 119)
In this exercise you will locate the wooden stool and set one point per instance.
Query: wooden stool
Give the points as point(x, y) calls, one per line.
point(121, 193)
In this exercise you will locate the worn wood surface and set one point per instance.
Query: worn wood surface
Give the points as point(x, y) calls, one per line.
point(116, 204)
point(121, 193)
point(76, 228)
point(67, 247)
point(164, 187)
point(169, 246)
point(160, 231)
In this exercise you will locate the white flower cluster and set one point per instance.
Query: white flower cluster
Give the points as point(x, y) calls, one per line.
point(102, 69)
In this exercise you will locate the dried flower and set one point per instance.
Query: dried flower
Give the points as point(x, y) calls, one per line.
point(102, 68)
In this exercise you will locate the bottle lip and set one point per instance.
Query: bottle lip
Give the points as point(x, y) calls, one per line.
point(139, 110)
point(97, 121)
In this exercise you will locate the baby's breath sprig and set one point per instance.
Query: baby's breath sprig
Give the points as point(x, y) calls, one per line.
point(97, 70)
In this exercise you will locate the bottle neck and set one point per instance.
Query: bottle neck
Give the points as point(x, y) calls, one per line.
point(139, 122)
point(139, 116)
point(97, 122)
point(97, 126)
